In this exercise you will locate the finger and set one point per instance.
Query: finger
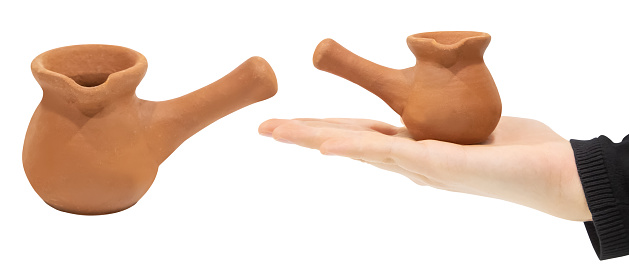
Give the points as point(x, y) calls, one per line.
point(427, 181)
point(267, 127)
point(310, 135)
point(378, 126)
point(324, 123)
point(372, 148)
point(429, 158)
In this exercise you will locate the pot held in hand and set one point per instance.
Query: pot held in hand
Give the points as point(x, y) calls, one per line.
point(93, 147)
point(449, 95)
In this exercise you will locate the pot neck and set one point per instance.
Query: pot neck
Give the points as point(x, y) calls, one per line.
point(89, 77)
point(449, 47)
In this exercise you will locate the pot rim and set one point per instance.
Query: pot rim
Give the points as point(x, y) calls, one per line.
point(433, 37)
point(138, 62)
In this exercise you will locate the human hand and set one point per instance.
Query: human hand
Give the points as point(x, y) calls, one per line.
point(523, 161)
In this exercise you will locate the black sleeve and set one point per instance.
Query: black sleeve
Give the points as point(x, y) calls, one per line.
point(603, 167)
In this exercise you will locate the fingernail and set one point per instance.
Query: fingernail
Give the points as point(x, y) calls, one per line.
point(266, 134)
point(284, 141)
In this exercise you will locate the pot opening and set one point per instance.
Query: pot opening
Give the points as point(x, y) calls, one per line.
point(89, 65)
point(449, 37)
point(90, 80)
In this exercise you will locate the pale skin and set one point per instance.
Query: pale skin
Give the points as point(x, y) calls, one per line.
point(523, 161)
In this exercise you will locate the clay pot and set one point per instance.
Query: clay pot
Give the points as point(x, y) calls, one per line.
point(449, 95)
point(93, 147)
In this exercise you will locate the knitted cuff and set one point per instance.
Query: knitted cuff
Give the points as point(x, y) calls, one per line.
point(607, 232)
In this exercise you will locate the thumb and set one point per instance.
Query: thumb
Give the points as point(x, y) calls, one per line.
point(423, 157)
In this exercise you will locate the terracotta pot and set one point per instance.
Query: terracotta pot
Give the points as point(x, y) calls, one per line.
point(449, 95)
point(93, 147)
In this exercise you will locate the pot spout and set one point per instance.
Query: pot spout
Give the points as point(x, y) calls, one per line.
point(391, 85)
point(174, 121)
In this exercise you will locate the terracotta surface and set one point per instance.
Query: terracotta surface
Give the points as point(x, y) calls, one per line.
point(93, 147)
point(449, 95)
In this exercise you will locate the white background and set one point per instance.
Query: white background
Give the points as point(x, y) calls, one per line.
point(231, 201)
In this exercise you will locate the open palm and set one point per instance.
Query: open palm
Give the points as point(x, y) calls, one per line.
point(523, 161)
